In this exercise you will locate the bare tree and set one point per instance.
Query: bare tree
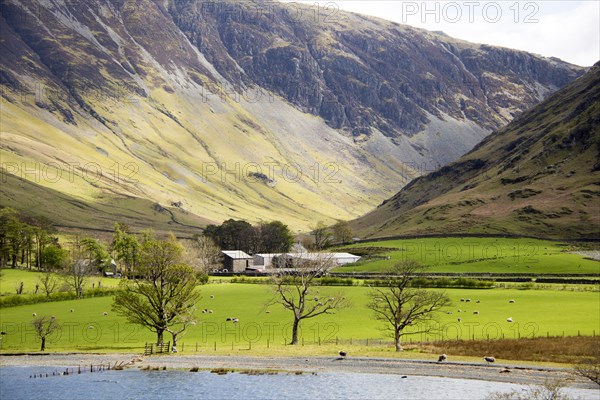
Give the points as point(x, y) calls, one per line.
point(202, 253)
point(181, 322)
point(590, 368)
point(294, 291)
point(76, 276)
point(342, 233)
point(49, 283)
point(549, 390)
point(398, 305)
point(321, 235)
point(44, 326)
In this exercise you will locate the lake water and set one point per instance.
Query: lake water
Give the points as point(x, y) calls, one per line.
point(15, 383)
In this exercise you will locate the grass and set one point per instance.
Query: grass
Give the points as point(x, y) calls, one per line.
point(535, 313)
point(473, 255)
point(97, 215)
point(570, 350)
point(10, 279)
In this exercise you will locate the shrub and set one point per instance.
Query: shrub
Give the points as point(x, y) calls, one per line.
point(334, 281)
point(19, 300)
point(422, 282)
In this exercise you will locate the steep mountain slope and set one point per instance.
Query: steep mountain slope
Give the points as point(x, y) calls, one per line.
point(243, 109)
point(538, 176)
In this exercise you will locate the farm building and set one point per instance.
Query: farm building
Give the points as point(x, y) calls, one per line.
point(266, 260)
point(344, 258)
point(236, 260)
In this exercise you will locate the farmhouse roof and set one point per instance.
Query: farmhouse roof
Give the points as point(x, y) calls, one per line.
point(236, 254)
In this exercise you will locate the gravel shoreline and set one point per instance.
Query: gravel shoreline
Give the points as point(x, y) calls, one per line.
point(495, 372)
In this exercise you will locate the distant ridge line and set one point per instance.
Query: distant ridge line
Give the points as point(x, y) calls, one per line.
point(472, 235)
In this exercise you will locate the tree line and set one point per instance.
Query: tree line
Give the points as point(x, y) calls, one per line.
point(274, 236)
point(270, 237)
point(27, 241)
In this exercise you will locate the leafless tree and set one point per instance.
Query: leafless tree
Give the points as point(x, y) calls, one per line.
point(399, 306)
point(321, 235)
point(293, 289)
point(202, 253)
point(44, 326)
point(76, 275)
point(590, 368)
point(49, 283)
point(549, 390)
point(181, 322)
point(342, 233)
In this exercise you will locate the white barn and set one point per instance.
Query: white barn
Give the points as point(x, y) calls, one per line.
point(265, 261)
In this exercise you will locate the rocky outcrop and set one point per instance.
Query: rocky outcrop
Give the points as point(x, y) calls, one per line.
point(182, 89)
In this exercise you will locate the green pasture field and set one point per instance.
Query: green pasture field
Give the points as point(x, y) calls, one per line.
point(475, 255)
point(534, 312)
point(10, 279)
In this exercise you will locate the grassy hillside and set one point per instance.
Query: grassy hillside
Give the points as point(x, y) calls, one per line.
point(473, 255)
point(539, 176)
point(77, 214)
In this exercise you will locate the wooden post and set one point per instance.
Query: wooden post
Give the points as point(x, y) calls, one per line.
point(267, 343)
point(196, 347)
point(182, 346)
point(215, 346)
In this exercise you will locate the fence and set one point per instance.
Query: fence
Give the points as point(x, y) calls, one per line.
point(151, 348)
point(365, 342)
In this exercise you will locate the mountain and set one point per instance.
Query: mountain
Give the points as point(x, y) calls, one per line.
point(255, 110)
point(538, 176)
